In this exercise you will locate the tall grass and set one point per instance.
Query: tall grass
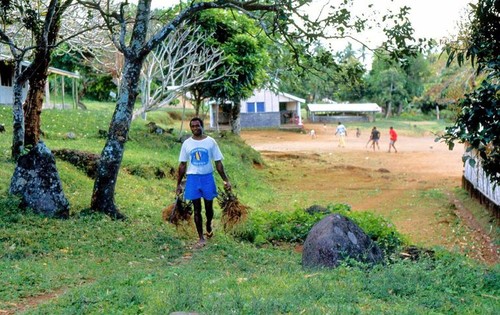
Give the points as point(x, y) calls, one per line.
point(90, 264)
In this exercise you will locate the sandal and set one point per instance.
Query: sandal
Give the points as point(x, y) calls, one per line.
point(209, 234)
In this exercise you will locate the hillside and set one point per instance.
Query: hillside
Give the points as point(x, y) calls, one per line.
point(90, 264)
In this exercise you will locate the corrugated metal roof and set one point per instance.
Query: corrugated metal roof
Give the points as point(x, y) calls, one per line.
point(345, 107)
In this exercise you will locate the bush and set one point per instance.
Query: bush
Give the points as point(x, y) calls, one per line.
point(276, 227)
point(11, 210)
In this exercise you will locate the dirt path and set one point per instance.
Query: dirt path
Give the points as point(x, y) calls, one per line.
point(413, 188)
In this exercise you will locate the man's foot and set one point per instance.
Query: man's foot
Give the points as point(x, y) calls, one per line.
point(209, 232)
point(200, 244)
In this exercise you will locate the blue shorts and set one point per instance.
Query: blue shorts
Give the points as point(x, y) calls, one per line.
point(200, 186)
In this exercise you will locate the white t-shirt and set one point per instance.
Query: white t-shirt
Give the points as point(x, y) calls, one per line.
point(199, 154)
point(341, 130)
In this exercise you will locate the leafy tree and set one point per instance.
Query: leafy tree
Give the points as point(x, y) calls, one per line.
point(397, 84)
point(445, 87)
point(243, 47)
point(387, 84)
point(94, 84)
point(478, 123)
point(319, 75)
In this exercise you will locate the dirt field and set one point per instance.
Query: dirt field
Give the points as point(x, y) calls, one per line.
point(414, 188)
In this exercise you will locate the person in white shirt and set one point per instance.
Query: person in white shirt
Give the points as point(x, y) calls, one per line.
point(197, 156)
point(342, 132)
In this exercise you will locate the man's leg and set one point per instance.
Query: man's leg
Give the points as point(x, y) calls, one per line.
point(198, 220)
point(209, 211)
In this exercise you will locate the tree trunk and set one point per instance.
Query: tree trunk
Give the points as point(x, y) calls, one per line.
point(18, 117)
point(112, 153)
point(388, 112)
point(33, 108)
point(235, 118)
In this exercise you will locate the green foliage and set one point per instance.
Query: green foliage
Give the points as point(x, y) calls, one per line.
point(10, 210)
point(379, 229)
point(244, 51)
point(98, 88)
point(275, 227)
point(92, 85)
point(478, 123)
point(398, 85)
point(320, 74)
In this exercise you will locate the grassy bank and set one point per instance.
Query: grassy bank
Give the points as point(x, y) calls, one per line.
point(90, 264)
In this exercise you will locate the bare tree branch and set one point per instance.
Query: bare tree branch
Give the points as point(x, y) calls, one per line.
point(182, 61)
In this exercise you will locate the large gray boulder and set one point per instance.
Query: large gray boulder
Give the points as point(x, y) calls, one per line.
point(37, 182)
point(336, 238)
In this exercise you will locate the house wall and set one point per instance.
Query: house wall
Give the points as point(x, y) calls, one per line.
point(270, 117)
point(260, 120)
point(6, 97)
point(271, 101)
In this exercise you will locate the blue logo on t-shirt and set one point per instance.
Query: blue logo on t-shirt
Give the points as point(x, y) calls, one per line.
point(199, 156)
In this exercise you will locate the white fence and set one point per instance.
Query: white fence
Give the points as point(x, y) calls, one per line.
point(476, 181)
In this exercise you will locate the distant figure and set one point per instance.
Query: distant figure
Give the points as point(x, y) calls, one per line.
point(342, 132)
point(375, 137)
point(312, 133)
point(393, 137)
point(358, 133)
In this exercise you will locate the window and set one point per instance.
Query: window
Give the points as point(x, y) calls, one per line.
point(250, 107)
point(256, 107)
point(261, 107)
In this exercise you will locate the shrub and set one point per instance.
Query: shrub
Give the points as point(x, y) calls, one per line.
point(11, 210)
point(276, 227)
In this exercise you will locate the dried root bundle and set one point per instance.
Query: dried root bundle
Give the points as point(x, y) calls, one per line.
point(233, 211)
point(177, 212)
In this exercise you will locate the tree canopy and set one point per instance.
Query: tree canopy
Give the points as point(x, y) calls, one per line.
point(245, 58)
point(478, 122)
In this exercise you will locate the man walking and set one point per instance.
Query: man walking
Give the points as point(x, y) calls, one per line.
point(375, 137)
point(393, 137)
point(342, 132)
point(196, 161)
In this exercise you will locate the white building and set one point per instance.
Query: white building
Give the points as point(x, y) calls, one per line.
point(264, 108)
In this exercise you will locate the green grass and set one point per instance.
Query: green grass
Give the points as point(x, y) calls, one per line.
point(90, 264)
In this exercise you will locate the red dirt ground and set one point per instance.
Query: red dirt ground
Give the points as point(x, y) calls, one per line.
point(413, 188)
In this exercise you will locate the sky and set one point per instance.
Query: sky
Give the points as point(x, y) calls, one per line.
point(430, 18)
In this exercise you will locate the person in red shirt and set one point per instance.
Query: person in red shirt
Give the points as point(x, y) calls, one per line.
point(393, 138)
